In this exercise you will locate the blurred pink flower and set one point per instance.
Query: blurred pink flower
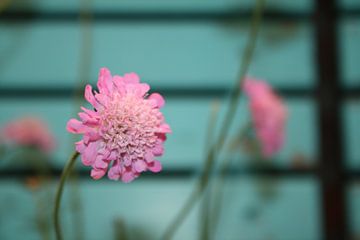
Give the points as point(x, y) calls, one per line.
point(269, 115)
point(29, 131)
point(125, 131)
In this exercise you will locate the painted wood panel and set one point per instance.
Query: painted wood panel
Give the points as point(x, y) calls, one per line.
point(350, 51)
point(353, 199)
point(352, 133)
point(349, 4)
point(161, 5)
point(176, 55)
point(148, 206)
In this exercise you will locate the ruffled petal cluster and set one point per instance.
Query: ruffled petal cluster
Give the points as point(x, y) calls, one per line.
point(269, 115)
point(124, 132)
point(29, 131)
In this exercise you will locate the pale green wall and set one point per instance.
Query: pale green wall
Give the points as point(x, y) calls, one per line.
point(184, 54)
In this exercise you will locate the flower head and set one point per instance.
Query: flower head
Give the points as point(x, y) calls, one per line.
point(269, 115)
point(125, 131)
point(29, 131)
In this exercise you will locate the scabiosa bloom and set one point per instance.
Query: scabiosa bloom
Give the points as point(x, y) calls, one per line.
point(29, 131)
point(269, 115)
point(125, 131)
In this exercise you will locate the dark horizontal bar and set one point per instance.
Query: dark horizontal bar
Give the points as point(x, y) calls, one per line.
point(179, 92)
point(352, 175)
point(350, 12)
point(190, 92)
point(351, 92)
point(175, 173)
point(146, 16)
point(194, 92)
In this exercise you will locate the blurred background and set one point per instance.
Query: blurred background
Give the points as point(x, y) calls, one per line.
point(189, 51)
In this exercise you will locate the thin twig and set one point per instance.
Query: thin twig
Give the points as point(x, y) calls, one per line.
point(120, 229)
point(67, 170)
point(204, 218)
point(217, 147)
point(219, 184)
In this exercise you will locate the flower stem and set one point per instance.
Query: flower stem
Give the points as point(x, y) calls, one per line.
point(218, 145)
point(68, 167)
point(204, 218)
point(219, 184)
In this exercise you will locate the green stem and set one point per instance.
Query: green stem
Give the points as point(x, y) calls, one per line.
point(204, 218)
point(120, 229)
point(216, 148)
point(219, 184)
point(218, 194)
point(68, 167)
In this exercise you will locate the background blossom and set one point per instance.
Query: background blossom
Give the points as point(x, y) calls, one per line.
point(29, 131)
point(269, 115)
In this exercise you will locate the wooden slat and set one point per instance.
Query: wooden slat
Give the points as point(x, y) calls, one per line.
point(348, 4)
point(353, 199)
point(160, 5)
point(351, 119)
point(179, 173)
point(193, 55)
point(349, 38)
point(330, 123)
point(111, 16)
point(159, 200)
point(183, 92)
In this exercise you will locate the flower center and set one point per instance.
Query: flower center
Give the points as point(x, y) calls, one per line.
point(129, 125)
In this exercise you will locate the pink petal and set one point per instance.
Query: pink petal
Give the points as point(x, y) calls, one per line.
point(105, 85)
point(137, 89)
point(140, 166)
point(142, 89)
point(155, 166)
point(97, 173)
point(91, 113)
point(113, 175)
point(80, 146)
point(89, 154)
point(158, 150)
point(91, 135)
point(89, 96)
point(114, 172)
point(131, 78)
point(161, 136)
point(127, 161)
point(113, 155)
point(164, 128)
point(75, 126)
point(87, 119)
point(127, 177)
point(100, 163)
point(158, 98)
point(149, 156)
point(105, 152)
point(102, 98)
point(119, 84)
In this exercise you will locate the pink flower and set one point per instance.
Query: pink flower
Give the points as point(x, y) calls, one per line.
point(269, 115)
point(29, 131)
point(125, 131)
